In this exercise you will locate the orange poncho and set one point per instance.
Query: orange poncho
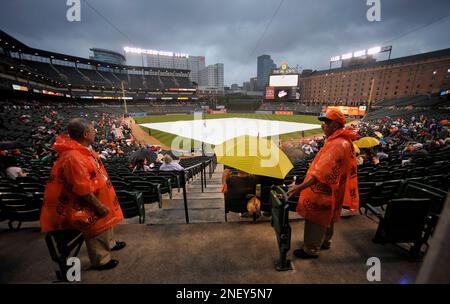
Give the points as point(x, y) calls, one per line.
point(335, 169)
point(76, 174)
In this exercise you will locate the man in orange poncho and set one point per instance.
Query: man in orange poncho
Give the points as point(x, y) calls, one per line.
point(80, 196)
point(330, 183)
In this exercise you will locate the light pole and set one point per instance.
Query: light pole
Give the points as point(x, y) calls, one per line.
point(124, 100)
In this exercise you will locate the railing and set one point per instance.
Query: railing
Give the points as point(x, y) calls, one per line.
point(190, 172)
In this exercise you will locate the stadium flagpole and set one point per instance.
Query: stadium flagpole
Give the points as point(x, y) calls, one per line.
point(124, 100)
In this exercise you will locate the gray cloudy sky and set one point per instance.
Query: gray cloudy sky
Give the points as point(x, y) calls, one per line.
point(304, 32)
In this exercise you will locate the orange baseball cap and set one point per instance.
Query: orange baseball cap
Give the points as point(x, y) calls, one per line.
point(334, 114)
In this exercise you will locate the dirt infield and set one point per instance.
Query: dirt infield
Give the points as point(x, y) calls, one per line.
point(141, 136)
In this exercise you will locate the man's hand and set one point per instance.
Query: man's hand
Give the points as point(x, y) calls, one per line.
point(293, 191)
point(102, 211)
point(302, 186)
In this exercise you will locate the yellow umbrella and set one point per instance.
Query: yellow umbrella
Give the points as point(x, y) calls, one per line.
point(357, 150)
point(254, 155)
point(367, 142)
point(378, 134)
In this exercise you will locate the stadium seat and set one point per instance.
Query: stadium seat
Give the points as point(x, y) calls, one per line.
point(151, 192)
point(440, 181)
point(28, 179)
point(132, 204)
point(420, 190)
point(398, 174)
point(121, 185)
point(417, 172)
point(164, 182)
point(237, 195)
point(363, 176)
point(19, 208)
point(31, 187)
point(404, 222)
point(385, 191)
point(379, 176)
point(366, 191)
point(174, 177)
point(8, 186)
point(280, 223)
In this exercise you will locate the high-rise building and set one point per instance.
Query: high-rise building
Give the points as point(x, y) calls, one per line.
point(195, 64)
point(212, 76)
point(220, 75)
point(253, 83)
point(264, 68)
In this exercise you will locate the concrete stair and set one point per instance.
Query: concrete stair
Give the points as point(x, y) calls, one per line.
point(203, 207)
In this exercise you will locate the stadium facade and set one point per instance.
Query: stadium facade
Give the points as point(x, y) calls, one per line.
point(361, 81)
point(421, 74)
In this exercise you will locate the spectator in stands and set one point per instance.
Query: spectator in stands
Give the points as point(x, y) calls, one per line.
point(169, 164)
point(241, 173)
point(119, 151)
point(80, 196)
point(360, 159)
point(382, 155)
point(445, 133)
point(141, 165)
point(330, 183)
point(226, 173)
point(12, 169)
point(372, 158)
point(48, 157)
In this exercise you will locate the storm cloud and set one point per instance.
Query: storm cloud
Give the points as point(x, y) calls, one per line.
point(303, 32)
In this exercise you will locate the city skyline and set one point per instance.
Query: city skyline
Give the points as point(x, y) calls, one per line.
point(303, 33)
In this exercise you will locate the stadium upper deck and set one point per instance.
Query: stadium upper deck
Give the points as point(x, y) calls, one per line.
point(40, 69)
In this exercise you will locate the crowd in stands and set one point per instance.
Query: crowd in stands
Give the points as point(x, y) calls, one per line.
point(304, 149)
point(29, 129)
point(151, 107)
point(419, 143)
point(291, 106)
point(410, 139)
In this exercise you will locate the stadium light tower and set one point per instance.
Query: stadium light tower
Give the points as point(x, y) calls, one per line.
point(362, 53)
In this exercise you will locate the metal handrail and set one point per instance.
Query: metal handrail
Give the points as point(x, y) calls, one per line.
point(182, 174)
